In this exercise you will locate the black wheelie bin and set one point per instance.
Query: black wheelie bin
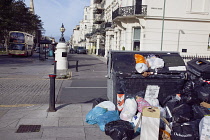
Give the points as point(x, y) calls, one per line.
point(199, 69)
point(123, 77)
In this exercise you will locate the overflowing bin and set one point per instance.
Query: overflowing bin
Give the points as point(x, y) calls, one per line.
point(124, 79)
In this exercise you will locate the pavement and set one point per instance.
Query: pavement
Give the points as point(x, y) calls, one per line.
point(29, 121)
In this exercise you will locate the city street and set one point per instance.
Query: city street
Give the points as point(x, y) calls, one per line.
point(24, 91)
point(25, 80)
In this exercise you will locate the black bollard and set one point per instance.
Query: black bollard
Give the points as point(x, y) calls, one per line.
point(55, 62)
point(52, 93)
point(77, 66)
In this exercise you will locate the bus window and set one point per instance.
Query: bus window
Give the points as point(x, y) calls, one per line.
point(17, 37)
point(17, 47)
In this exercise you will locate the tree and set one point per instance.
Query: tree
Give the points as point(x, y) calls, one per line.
point(15, 16)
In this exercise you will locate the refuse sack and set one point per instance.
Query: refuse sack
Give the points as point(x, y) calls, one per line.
point(185, 131)
point(204, 127)
point(141, 103)
point(182, 113)
point(155, 62)
point(107, 117)
point(91, 117)
point(203, 92)
point(119, 130)
point(169, 104)
point(188, 87)
point(199, 112)
point(139, 58)
point(97, 101)
point(190, 99)
point(140, 63)
point(129, 110)
point(110, 106)
point(136, 122)
point(141, 67)
point(171, 101)
point(188, 95)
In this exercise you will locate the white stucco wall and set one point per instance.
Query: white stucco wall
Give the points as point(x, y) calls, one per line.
point(178, 16)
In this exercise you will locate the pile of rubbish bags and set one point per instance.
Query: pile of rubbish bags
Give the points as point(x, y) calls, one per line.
point(184, 116)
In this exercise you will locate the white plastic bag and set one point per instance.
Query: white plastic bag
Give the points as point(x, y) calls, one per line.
point(155, 62)
point(136, 120)
point(108, 105)
point(204, 128)
point(129, 110)
point(141, 67)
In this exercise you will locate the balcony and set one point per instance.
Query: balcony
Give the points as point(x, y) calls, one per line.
point(98, 18)
point(130, 11)
point(97, 1)
point(98, 11)
point(105, 25)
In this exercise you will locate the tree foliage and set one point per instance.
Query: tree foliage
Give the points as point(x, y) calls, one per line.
point(15, 16)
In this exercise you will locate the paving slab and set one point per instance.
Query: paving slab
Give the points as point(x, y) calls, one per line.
point(10, 134)
point(39, 121)
point(64, 132)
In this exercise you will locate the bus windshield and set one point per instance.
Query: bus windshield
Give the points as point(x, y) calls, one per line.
point(17, 47)
point(16, 37)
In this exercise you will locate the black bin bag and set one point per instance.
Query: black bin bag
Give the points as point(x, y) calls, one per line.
point(185, 131)
point(199, 111)
point(182, 113)
point(203, 92)
point(119, 130)
point(97, 101)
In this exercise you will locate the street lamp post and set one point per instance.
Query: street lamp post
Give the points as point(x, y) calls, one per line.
point(61, 52)
point(180, 31)
point(62, 29)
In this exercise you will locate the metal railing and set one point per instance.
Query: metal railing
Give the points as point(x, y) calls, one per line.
point(129, 11)
point(99, 18)
point(187, 58)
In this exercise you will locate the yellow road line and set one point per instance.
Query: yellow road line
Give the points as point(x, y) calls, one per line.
point(18, 105)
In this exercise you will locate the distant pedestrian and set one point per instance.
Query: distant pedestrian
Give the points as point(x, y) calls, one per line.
point(53, 49)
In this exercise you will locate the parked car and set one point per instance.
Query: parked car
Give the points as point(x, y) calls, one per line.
point(81, 50)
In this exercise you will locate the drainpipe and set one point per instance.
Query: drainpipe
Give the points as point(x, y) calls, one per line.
point(161, 48)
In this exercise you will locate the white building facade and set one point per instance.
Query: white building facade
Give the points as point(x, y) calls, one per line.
point(148, 25)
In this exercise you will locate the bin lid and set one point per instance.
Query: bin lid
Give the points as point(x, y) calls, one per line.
point(199, 64)
point(124, 61)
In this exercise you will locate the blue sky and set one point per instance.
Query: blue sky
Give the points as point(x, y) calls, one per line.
point(55, 12)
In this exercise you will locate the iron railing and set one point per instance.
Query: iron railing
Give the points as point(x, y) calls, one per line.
point(187, 58)
point(105, 25)
point(130, 11)
point(99, 18)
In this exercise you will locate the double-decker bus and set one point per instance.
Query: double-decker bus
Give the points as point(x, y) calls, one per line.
point(20, 43)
